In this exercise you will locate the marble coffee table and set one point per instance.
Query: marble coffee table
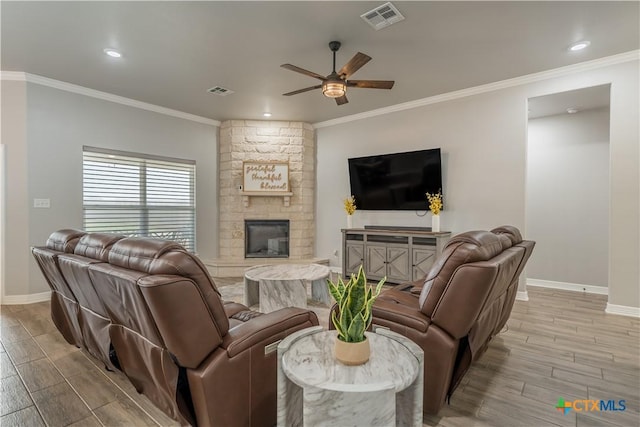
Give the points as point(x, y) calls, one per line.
point(285, 285)
point(314, 389)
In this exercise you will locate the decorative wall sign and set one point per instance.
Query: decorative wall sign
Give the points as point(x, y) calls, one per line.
point(265, 177)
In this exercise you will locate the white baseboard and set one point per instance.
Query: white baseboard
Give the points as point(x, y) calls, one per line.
point(26, 299)
point(522, 296)
point(575, 287)
point(622, 310)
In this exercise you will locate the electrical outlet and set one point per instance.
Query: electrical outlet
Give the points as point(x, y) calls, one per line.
point(41, 203)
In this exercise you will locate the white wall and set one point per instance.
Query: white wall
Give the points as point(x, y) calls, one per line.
point(477, 155)
point(49, 155)
point(567, 210)
point(16, 236)
point(2, 204)
point(483, 140)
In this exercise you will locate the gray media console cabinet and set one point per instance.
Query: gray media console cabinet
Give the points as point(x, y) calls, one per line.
point(402, 254)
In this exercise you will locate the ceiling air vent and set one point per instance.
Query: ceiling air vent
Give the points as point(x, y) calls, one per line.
point(382, 16)
point(220, 91)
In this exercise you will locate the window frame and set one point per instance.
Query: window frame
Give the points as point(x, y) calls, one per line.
point(143, 162)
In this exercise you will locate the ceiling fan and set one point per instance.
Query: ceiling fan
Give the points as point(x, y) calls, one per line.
point(335, 84)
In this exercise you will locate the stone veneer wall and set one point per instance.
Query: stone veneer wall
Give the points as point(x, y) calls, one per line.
point(292, 142)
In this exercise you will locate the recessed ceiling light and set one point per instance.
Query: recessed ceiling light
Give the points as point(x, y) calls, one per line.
point(579, 45)
point(112, 53)
point(266, 114)
point(572, 110)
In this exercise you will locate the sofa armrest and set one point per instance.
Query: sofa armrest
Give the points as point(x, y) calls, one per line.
point(250, 333)
point(400, 314)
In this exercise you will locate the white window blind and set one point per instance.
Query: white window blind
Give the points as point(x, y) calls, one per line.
point(139, 195)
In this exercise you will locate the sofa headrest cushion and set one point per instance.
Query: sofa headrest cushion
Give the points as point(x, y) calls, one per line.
point(478, 245)
point(509, 231)
point(64, 240)
point(96, 245)
point(155, 256)
point(505, 241)
point(141, 254)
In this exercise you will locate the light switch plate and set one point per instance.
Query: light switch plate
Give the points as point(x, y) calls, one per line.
point(41, 203)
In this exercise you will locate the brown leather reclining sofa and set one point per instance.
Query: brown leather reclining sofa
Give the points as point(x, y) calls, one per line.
point(462, 303)
point(150, 309)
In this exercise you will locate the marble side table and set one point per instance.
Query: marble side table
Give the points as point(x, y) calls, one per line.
point(314, 389)
point(285, 285)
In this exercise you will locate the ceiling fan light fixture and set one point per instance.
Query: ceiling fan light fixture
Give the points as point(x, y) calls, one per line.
point(334, 89)
point(335, 84)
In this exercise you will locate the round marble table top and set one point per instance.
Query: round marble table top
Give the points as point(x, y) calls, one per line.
point(287, 272)
point(310, 361)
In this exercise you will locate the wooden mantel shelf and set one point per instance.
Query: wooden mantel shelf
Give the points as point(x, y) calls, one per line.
point(286, 196)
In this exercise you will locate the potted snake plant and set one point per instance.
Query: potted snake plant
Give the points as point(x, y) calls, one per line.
point(354, 301)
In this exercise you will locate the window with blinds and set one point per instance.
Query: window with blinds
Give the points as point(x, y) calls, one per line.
point(139, 195)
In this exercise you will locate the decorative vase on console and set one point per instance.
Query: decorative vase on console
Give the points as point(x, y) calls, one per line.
point(435, 223)
point(435, 206)
point(350, 208)
point(354, 301)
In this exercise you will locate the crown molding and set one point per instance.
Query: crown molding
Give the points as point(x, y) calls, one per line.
point(476, 90)
point(18, 76)
point(633, 55)
point(81, 90)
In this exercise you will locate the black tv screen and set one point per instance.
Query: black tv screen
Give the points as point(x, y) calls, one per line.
point(395, 181)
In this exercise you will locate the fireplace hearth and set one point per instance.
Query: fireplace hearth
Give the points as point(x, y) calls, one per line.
point(266, 238)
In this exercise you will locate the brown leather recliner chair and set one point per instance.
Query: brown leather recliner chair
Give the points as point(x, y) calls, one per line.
point(93, 318)
point(464, 301)
point(199, 359)
point(64, 304)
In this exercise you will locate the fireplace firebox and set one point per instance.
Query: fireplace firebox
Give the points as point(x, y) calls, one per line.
point(266, 238)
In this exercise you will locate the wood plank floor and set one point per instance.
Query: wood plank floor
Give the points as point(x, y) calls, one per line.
point(557, 345)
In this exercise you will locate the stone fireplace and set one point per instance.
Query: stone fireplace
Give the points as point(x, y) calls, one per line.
point(266, 238)
point(265, 141)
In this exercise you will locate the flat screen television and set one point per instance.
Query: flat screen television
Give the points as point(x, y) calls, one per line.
point(395, 181)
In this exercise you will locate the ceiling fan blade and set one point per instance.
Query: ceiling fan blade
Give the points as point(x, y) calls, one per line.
point(342, 100)
point(354, 64)
point(306, 89)
point(371, 84)
point(303, 71)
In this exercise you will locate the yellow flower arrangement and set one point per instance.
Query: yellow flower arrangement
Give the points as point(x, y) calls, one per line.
point(350, 205)
point(435, 202)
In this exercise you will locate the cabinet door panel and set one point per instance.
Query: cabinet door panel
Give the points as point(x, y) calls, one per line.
point(398, 264)
point(355, 257)
point(376, 261)
point(422, 261)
